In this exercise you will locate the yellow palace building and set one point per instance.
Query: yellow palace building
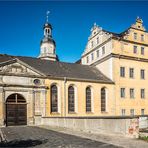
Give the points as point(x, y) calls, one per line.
point(110, 79)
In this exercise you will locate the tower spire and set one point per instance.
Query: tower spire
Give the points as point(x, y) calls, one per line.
point(48, 45)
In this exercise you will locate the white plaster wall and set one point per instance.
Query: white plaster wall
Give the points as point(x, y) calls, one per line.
point(106, 68)
point(47, 48)
point(108, 50)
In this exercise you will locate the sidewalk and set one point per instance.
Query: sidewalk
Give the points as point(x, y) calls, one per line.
point(111, 139)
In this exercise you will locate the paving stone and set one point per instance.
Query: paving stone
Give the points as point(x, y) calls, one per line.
point(25, 136)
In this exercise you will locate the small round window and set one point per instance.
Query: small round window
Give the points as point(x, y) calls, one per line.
point(37, 82)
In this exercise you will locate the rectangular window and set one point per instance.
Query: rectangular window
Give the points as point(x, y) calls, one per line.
point(142, 37)
point(135, 49)
point(97, 53)
point(142, 111)
point(92, 56)
point(131, 72)
point(135, 36)
point(97, 40)
point(132, 95)
point(123, 112)
point(142, 73)
point(132, 112)
point(92, 44)
point(122, 92)
point(87, 59)
point(103, 50)
point(142, 50)
point(122, 71)
point(142, 93)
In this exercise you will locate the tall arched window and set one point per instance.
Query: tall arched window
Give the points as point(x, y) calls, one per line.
point(88, 99)
point(54, 98)
point(103, 100)
point(71, 99)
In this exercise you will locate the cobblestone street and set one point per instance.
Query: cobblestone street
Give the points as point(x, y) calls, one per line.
point(38, 137)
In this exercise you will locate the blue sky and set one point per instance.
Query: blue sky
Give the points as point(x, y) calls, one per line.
point(22, 23)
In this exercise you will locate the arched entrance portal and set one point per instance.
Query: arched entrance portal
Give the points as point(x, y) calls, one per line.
point(16, 110)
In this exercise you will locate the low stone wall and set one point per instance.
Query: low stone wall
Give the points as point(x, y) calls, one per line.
point(128, 127)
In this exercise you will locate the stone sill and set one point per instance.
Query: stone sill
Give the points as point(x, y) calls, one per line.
point(55, 113)
point(72, 113)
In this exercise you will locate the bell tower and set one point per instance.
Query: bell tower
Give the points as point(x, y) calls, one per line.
point(48, 45)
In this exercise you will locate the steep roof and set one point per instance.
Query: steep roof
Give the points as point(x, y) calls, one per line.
point(61, 69)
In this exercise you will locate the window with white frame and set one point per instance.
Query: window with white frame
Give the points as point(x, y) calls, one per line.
point(122, 71)
point(54, 98)
point(97, 53)
point(103, 99)
point(142, 111)
point(88, 99)
point(132, 93)
point(92, 56)
point(122, 92)
point(103, 50)
point(142, 37)
point(135, 49)
point(123, 112)
point(132, 112)
point(71, 99)
point(142, 73)
point(131, 72)
point(135, 36)
point(97, 40)
point(92, 43)
point(87, 59)
point(142, 93)
point(142, 50)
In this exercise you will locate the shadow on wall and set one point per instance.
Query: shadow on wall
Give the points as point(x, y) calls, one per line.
point(22, 143)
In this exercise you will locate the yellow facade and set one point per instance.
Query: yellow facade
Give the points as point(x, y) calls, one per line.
point(119, 52)
point(137, 61)
point(80, 98)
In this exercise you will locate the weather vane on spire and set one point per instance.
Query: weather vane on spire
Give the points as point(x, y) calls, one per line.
point(47, 15)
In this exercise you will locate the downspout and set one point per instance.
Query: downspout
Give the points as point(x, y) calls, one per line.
point(65, 80)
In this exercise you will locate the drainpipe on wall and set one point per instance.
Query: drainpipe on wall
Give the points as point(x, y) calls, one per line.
point(65, 80)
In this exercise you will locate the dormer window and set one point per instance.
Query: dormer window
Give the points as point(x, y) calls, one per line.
point(103, 50)
point(97, 53)
point(135, 36)
point(92, 44)
point(97, 40)
point(135, 49)
point(87, 59)
point(92, 56)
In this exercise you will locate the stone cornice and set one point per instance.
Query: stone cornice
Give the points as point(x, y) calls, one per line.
point(23, 86)
point(120, 57)
point(80, 80)
point(133, 42)
point(21, 75)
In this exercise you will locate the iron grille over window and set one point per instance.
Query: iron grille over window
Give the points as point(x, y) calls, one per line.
point(71, 99)
point(88, 99)
point(103, 100)
point(54, 99)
